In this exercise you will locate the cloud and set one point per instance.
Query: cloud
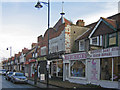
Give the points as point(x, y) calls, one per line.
point(109, 9)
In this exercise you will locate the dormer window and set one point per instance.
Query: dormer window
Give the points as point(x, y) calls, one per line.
point(112, 39)
point(94, 41)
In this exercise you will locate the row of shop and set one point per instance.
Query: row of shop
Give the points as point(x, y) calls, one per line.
point(99, 67)
point(93, 59)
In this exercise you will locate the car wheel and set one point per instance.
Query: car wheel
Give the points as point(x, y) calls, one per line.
point(14, 81)
point(11, 80)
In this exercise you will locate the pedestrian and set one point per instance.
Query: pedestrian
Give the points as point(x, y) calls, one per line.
point(35, 77)
point(14, 70)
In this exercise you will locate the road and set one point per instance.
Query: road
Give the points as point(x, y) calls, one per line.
point(7, 84)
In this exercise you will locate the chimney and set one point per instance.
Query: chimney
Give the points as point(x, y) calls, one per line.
point(39, 38)
point(80, 23)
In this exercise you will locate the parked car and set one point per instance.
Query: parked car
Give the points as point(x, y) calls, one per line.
point(3, 71)
point(8, 75)
point(18, 77)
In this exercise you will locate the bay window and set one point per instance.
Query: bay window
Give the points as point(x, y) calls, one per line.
point(77, 68)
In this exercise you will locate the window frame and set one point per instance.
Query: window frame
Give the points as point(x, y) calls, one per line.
point(83, 47)
point(108, 42)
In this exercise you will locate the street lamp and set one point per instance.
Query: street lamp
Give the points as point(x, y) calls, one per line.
point(10, 50)
point(38, 5)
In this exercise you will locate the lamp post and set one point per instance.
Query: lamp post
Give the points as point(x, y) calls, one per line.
point(38, 5)
point(10, 50)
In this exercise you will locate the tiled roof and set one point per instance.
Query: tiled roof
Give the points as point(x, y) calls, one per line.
point(110, 21)
point(91, 26)
point(84, 35)
point(25, 50)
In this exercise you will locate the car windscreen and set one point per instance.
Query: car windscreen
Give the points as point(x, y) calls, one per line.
point(4, 70)
point(10, 73)
point(19, 74)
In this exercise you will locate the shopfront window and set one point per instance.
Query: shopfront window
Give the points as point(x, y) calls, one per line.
point(54, 68)
point(116, 68)
point(106, 69)
point(78, 68)
point(60, 68)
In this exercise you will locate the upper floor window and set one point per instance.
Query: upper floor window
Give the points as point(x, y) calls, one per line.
point(94, 40)
point(81, 45)
point(112, 39)
point(43, 50)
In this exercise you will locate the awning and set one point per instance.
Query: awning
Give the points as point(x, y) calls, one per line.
point(33, 60)
point(26, 62)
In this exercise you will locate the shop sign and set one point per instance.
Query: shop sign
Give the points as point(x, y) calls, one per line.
point(94, 70)
point(32, 60)
point(42, 76)
point(41, 58)
point(108, 52)
point(76, 56)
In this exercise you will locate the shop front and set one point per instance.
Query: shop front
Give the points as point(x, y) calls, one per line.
point(75, 67)
point(56, 68)
point(56, 65)
point(101, 67)
point(27, 68)
point(32, 63)
point(41, 67)
point(108, 66)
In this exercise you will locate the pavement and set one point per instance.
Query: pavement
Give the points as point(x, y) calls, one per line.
point(58, 83)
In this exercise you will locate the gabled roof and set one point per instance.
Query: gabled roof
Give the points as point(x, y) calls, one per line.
point(109, 22)
point(60, 22)
point(25, 50)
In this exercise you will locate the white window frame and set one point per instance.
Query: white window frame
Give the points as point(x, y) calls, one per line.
point(91, 41)
point(83, 47)
point(84, 78)
point(43, 50)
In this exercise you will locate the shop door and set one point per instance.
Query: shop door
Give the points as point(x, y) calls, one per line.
point(67, 70)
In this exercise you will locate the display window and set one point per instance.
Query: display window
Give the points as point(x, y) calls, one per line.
point(110, 70)
point(116, 68)
point(58, 68)
point(77, 68)
point(106, 69)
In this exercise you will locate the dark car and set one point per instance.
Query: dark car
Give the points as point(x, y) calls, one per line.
point(8, 75)
point(18, 77)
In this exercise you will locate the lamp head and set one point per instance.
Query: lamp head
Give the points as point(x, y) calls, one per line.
point(38, 5)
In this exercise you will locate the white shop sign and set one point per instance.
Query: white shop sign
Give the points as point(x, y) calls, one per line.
point(76, 56)
point(108, 52)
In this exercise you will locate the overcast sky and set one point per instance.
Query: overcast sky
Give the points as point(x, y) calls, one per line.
point(21, 23)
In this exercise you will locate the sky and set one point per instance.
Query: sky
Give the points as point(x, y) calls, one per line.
point(21, 23)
